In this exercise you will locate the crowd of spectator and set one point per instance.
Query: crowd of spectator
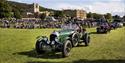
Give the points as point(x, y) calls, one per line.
point(31, 24)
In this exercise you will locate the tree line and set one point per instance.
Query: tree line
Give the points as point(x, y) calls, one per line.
point(108, 16)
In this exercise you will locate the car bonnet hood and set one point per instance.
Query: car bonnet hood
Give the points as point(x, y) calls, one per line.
point(64, 32)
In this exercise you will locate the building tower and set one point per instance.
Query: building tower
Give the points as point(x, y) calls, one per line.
point(36, 7)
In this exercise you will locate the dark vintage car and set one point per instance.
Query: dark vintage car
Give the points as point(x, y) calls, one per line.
point(103, 28)
point(61, 41)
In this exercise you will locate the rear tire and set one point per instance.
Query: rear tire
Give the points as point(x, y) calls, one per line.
point(66, 48)
point(87, 40)
point(97, 30)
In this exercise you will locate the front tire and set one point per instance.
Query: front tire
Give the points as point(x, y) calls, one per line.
point(66, 48)
point(39, 47)
point(75, 40)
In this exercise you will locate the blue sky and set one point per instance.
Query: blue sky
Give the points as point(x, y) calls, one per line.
point(97, 6)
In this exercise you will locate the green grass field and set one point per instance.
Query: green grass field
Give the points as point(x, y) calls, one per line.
point(17, 46)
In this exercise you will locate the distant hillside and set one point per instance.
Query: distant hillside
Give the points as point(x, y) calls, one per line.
point(23, 7)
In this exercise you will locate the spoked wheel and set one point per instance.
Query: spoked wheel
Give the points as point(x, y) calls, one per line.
point(87, 40)
point(66, 48)
point(39, 47)
point(75, 40)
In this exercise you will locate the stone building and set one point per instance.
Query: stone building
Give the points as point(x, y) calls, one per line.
point(34, 12)
point(79, 14)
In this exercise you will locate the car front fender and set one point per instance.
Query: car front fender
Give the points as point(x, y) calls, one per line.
point(39, 38)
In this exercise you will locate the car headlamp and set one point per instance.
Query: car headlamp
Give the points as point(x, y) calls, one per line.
point(45, 39)
point(53, 42)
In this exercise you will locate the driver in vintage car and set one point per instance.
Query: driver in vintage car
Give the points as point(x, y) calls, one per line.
point(84, 35)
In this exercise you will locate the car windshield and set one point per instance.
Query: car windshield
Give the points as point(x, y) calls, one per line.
point(69, 26)
point(65, 30)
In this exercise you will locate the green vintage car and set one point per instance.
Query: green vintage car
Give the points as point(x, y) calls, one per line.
point(60, 41)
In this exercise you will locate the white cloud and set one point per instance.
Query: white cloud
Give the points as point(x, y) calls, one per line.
point(114, 7)
point(109, 7)
point(97, 6)
point(61, 6)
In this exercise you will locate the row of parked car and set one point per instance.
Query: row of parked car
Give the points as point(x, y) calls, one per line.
point(107, 27)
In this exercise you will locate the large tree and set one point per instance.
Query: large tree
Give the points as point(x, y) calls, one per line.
point(116, 17)
point(58, 14)
point(5, 10)
point(89, 15)
point(43, 16)
point(17, 14)
point(123, 18)
point(108, 16)
point(97, 16)
point(3, 0)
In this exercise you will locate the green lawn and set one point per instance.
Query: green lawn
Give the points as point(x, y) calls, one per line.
point(17, 46)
